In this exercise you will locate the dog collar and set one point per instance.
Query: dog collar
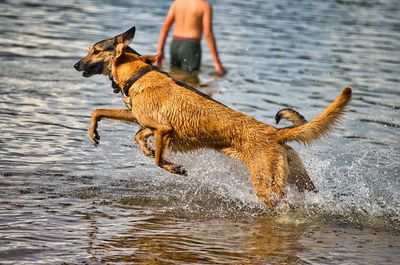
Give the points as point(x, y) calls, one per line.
point(114, 85)
point(134, 78)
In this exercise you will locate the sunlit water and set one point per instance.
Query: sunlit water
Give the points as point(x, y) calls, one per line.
point(63, 200)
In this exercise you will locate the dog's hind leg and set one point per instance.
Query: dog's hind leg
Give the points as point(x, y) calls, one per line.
point(114, 114)
point(297, 174)
point(269, 175)
point(162, 136)
point(141, 139)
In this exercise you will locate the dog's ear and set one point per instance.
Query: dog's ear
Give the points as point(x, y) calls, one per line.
point(150, 59)
point(119, 50)
point(125, 37)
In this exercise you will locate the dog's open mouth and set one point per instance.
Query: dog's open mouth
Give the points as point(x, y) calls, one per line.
point(93, 69)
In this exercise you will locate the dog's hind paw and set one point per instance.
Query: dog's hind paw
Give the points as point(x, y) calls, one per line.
point(181, 170)
point(173, 168)
point(149, 152)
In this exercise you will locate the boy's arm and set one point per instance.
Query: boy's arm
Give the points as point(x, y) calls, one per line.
point(211, 43)
point(169, 20)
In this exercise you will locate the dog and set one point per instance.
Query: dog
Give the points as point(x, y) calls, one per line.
point(184, 120)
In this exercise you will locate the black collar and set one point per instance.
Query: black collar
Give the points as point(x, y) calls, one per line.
point(131, 80)
point(114, 85)
point(134, 78)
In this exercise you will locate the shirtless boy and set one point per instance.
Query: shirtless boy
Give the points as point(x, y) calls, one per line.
point(191, 18)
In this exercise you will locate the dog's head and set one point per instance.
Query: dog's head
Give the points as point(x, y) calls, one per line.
point(98, 60)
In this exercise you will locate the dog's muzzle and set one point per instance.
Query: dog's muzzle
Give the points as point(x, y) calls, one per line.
point(78, 66)
point(89, 69)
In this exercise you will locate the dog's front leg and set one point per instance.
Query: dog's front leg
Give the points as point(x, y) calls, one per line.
point(162, 136)
point(114, 114)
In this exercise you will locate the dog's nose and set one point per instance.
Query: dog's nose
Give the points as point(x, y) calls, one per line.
point(77, 66)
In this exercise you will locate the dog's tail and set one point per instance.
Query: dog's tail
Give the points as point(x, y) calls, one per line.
point(319, 126)
point(291, 115)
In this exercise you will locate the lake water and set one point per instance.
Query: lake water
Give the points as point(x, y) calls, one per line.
point(64, 201)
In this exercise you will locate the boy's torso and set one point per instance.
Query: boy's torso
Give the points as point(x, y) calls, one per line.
point(189, 18)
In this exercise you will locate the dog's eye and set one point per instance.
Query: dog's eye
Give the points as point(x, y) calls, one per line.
point(95, 52)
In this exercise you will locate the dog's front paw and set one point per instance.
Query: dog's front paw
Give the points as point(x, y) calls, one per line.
point(94, 137)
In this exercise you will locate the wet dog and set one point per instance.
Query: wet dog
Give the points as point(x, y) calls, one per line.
point(183, 120)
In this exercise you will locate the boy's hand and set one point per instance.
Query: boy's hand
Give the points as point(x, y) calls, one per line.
point(219, 69)
point(161, 59)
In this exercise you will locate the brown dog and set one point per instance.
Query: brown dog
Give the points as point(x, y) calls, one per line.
point(184, 120)
point(98, 61)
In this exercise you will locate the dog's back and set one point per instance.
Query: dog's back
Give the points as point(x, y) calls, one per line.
point(197, 121)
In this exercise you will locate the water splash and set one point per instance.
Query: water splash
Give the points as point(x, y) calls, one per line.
point(220, 186)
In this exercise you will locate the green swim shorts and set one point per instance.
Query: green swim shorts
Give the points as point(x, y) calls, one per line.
point(186, 54)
